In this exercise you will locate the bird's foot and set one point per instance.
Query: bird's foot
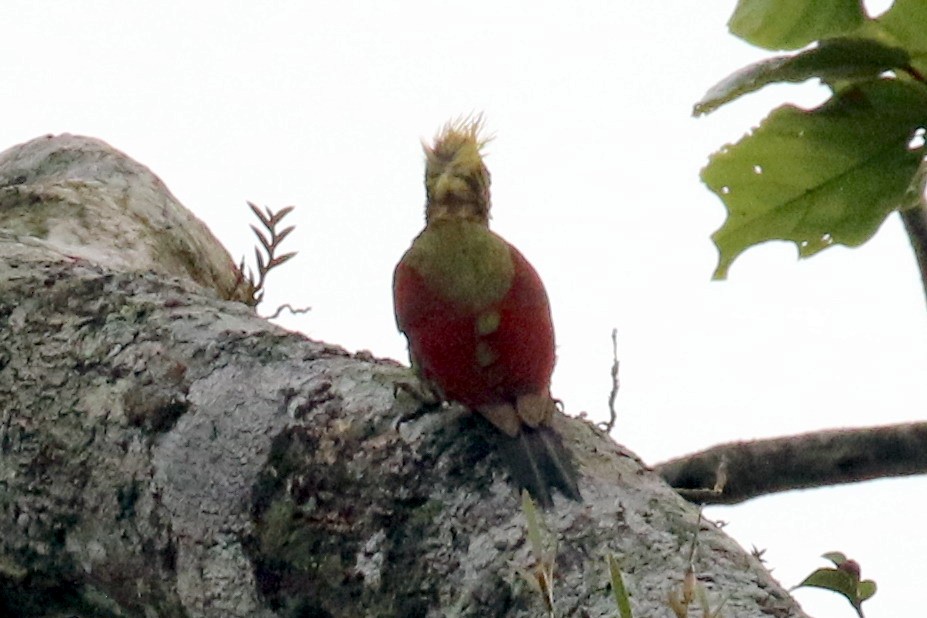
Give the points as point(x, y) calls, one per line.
point(427, 397)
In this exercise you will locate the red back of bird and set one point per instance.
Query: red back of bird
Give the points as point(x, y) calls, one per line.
point(457, 350)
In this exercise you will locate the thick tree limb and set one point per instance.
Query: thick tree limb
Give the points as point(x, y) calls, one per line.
point(799, 462)
point(167, 453)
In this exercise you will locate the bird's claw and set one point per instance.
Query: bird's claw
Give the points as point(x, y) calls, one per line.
point(429, 400)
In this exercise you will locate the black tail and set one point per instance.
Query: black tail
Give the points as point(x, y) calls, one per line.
point(538, 462)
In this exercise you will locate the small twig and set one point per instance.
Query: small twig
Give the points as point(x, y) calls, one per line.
point(616, 384)
point(291, 309)
point(679, 602)
point(698, 527)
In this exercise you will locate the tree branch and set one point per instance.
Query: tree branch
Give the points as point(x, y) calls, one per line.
point(809, 460)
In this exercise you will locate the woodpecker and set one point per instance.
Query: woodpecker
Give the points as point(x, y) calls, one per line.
point(477, 317)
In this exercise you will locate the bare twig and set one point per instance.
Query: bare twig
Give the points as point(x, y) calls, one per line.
point(612, 415)
point(799, 462)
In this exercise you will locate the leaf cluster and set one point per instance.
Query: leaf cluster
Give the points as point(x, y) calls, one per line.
point(829, 175)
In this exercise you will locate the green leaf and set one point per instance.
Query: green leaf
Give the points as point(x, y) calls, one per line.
point(833, 580)
point(824, 176)
point(622, 599)
point(792, 24)
point(831, 60)
point(836, 557)
point(865, 589)
point(905, 21)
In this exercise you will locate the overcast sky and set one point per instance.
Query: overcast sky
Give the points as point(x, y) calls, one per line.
point(595, 167)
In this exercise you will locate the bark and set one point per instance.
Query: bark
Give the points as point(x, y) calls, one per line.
point(164, 452)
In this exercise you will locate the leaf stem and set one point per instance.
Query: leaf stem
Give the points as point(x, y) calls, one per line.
point(910, 70)
point(915, 224)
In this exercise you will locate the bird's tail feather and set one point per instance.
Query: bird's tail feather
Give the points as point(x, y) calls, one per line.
point(538, 462)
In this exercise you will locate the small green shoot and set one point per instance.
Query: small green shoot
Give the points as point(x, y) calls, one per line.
point(844, 580)
point(622, 599)
point(541, 578)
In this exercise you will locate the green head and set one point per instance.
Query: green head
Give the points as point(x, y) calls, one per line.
point(456, 180)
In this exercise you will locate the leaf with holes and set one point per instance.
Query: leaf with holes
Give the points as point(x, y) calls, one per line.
point(822, 176)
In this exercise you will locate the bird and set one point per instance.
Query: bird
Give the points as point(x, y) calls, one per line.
point(477, 317)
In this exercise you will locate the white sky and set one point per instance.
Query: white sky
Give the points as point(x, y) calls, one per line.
point(595, 168)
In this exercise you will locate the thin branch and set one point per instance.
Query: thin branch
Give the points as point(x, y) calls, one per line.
point(800, 462)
